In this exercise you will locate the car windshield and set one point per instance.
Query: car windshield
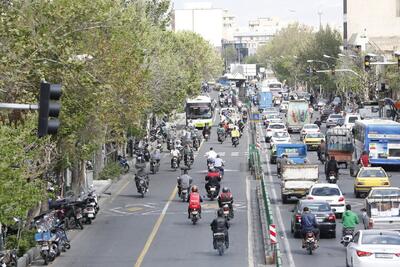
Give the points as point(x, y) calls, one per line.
point(380, 239)
point(315, 135)
point(385, 192)
point(353, 119)
point(310, 126)
point(372, 173)
point(325, 191)
point(277, 126)
point(335, 116)
point(280, 135)
point(317, 207)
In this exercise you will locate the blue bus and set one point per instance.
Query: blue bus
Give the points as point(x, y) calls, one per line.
point(380, 138)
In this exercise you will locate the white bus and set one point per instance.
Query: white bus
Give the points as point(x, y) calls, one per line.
point(199, 111)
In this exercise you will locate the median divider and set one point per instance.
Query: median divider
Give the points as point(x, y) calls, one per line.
point(271, 248)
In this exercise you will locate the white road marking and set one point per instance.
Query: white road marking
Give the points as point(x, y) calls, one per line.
point(277, 211)
point(249, 226)
point(235, 154)
point(221, 154)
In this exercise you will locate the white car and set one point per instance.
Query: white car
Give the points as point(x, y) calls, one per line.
point(350, 119)
point(330, 193)
point(308, 129)
point(274, 127)
point(281, 137)
point(374, 248)
point(284, 106)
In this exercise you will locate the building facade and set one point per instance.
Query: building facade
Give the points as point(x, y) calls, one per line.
point(372, 24)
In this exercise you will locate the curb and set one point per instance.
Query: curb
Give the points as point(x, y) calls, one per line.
point(264, 227)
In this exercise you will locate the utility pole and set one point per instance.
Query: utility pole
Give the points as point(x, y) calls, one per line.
point(320, 19)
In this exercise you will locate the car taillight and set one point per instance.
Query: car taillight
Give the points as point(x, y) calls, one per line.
point(298, 218)
point(341, 199)
point(361, 253)
point(310, 197)
point(332, 217)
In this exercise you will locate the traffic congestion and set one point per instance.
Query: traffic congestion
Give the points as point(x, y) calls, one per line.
point(334, 169)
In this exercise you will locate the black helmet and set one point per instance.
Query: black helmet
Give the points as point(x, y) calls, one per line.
point(220, 213)
point(225, 190)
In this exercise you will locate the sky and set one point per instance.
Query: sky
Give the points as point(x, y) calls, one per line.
point(304, 11)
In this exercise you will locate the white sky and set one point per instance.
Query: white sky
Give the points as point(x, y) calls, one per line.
point(304, 11)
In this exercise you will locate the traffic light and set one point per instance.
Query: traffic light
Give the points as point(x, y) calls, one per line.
point(308, 71)
point(49, 108)
point(367, 63)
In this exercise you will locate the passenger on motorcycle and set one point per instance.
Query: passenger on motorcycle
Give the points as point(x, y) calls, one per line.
point(175, 154)
point(332, 166)
point(219, 165)
point(184, 181)
point(211, 155)
point(349, 219)
point(213, 178)
point(309, 224)
point(224, 197)
point(220, 225)
point(194, 200)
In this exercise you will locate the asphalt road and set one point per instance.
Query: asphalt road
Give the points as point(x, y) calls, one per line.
point(155, 231)
point(330, 253)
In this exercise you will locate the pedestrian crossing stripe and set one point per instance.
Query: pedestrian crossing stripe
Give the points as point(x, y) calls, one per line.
point(232, 154)
point(221, 154)
point(235, 154)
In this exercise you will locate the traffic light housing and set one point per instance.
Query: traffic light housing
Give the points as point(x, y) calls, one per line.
point(49, 109)
point(308, 71)
point(367, 63)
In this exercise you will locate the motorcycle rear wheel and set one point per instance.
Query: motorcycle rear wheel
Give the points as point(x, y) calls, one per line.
point(221, 250)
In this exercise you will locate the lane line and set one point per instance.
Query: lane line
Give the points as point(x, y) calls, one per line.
point(250, 255)
point(155, 229)
point(119, 191)
point(277, 210)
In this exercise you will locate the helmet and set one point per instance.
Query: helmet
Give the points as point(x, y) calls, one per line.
point(194, 188)
point(159, 146)
point(225, 190)
point(220, 213)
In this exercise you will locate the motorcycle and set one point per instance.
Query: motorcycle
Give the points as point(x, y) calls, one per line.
point(184, 194)
point(321, 157)
point(194, 216)
point(170, 144)
point(174, 163)
point(123, 163)
point(219, 242)
point(210, 164)
point(347, 236)
point(221, 137)
point(8, 258)
point(332, 177)
point(142, 186)
point(235, 141)
point(206, 136)
point(310, 242)
point(228, 212)
point(212, 193)
point(88, 212)
point(146, 155)
point(154, 166)
point(196, 143)
point(48, 245)
point(189, 161)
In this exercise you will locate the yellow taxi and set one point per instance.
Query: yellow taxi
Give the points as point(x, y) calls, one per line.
point(368, 177)
point(313, 140)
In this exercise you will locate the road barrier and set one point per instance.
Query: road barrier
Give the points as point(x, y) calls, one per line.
point(271, 242)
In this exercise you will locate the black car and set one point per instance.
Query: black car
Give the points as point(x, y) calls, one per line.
point(325, 217)
point(325, 114)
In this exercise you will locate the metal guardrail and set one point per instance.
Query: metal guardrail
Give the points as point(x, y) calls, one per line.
point(257, 170)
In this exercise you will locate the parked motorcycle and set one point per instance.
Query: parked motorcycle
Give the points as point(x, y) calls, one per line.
point(8, 258)
point(310, 242)
point(123, 162)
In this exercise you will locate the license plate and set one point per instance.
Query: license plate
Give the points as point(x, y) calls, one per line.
point(383, 255)
point(212, 189)
point(226, 212)
point(90, 215)
point(320, 220)
point(45, 248)
point(194, 212)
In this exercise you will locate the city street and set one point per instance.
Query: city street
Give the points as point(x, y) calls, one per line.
point(330, 253)
point(155, 230)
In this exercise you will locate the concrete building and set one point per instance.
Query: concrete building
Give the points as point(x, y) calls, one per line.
point(201, 18)
point(372, 25)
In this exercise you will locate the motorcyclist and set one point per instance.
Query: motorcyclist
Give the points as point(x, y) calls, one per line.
point(332, 166)
point(184, 181)
point(318, 122)
point(219, 164)
point(364, 159)
point(226, 197)
point(206, 130)
point(349, 219)
point(156, 155)
point(321, 150)
point(235, 133)
point(187, 136)
point(188, 153)
point(220, 225)
point(221, 129)
point(141, 173)
point(241, 126)
point(194, 200)
point(309, 224)
point(211, 155)
point(213, 178)
point(175, 153)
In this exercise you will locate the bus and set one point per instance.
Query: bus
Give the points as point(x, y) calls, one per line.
point(380, 138)
point(199, 111)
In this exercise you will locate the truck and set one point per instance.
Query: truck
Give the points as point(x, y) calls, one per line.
point(340, 144)
point(265, 100)
point(297, 179)
point(382, 209)
point(297, 115)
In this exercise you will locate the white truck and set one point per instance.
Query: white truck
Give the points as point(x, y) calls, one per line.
point(297, 179)
point(297, 115)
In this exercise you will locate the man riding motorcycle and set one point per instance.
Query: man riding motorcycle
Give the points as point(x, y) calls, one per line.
point(309, 224)
point(206, 130)
point(184, 181)
point(235, 133)
point(349, 219)
point(219, 165)
point(226, 197)
point(188, 153)
point(211, 155)
point(141, 173)
point(221, 131)
point(175, 154)
point(332, 166)
point(220, 225)
point(213, 178)
point(194, 200)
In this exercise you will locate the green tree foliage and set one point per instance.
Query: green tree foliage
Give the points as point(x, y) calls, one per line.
point(116, 62)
